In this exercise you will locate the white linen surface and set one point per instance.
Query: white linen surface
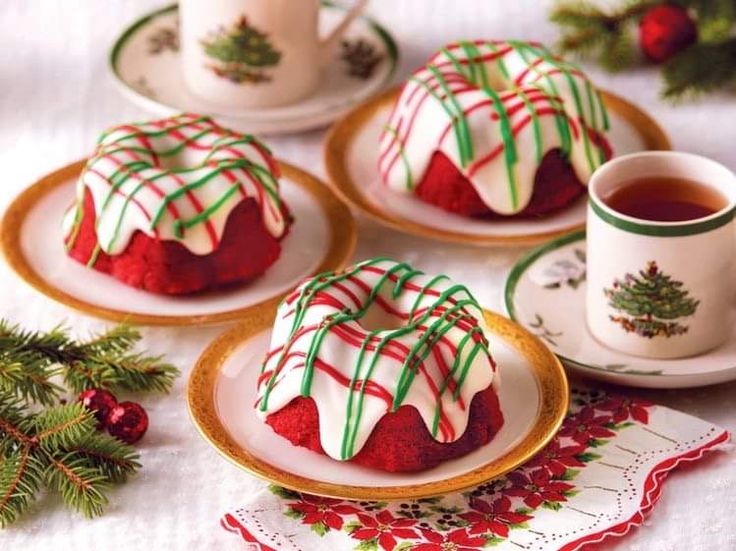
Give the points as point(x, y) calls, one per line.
point(58, 94)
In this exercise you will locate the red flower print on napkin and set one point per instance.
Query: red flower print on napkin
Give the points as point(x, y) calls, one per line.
point(557, 459)
point(457, 540)
point(385, 528)
point(625, 408)
point(585, 426)
point(493, 517)
point(536, 487)
point(323, 510)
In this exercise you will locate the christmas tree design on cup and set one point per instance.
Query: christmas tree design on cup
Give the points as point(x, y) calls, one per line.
point(242, 52)
point(652, 302)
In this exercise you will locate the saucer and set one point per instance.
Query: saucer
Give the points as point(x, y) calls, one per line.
point(321, 238)
point(145, 63)
point(222, 390)
point(351, 159)
point(545, 293)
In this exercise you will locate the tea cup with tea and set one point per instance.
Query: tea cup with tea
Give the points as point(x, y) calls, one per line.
point(255, 53)
point(661, 250)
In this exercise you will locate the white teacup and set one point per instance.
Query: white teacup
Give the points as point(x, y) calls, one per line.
point(639, 269)
point(255, 53)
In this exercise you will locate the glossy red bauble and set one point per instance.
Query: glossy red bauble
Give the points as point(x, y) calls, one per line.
point(127, 421)
point(666, 30)
point(100, 402)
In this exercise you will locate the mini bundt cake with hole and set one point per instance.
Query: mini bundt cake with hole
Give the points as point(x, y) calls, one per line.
point(383, 366)
point(495, 129)
point(178, 206)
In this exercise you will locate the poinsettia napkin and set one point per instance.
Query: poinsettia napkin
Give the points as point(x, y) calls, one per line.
point(599, 477)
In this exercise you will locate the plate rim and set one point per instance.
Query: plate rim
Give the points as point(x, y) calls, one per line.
point(509, 293)
point(341, 135)
point(550, 379)
point(340, 221)
point(155, 105)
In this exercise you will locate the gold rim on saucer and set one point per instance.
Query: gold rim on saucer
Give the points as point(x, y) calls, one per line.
point(341, 136)
point(343, 236)
point(549, 374)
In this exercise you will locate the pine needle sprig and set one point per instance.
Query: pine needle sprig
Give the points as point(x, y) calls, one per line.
point(59, 449)
point(116, 462)
point(57, 446)
point(687, 76)
point(607, 36)
point(81, 485)
point(30, 359)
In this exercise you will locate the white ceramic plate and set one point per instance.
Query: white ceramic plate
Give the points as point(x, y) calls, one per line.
point(222, 391)
point(545, 293)
point(145, 63)
point(321, 238)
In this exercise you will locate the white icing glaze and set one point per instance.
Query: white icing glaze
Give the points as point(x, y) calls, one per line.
point(134, 157)
point(517, 71)
point(332, 397)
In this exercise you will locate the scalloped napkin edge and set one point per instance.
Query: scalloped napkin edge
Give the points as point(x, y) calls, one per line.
point(599, 477)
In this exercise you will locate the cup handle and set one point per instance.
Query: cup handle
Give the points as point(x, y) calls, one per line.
point(327, 43)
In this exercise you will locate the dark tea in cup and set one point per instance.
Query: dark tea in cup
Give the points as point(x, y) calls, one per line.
point(664, 199)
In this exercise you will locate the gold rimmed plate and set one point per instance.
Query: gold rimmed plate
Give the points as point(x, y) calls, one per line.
point(222, 390)
point(322, 238)
point(351, 159)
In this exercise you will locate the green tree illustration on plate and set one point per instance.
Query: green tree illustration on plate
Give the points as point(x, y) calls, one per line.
point(652, 302)
point(243, 52)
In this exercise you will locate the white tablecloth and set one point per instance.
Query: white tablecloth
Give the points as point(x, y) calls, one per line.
point(56, 96)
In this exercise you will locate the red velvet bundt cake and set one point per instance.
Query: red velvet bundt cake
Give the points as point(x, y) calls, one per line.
point(495, 129)
point(382, 366)
point(178, 206)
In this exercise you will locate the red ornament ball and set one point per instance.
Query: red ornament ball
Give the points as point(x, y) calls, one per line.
point(665, 30)
point(127, 421)
point(99, 401)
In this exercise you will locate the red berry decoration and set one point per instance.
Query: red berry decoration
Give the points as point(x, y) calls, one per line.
point(666, 30)
point(100, 402)
point(127, 421)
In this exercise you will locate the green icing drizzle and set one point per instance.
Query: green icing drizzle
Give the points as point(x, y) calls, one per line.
point(121, 175)
point(362, 373)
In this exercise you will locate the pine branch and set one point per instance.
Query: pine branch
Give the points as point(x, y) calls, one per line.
point(81, 487)
point(63, 426)
point(114, 459)
point(20, 479)
point(61, 449)
point(700, 69)
point(590, 31)
point(105, 361)
point(30, 380)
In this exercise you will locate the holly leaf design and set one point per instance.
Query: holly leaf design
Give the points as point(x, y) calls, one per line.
point(597, 442)
point(351, 526)
point(619, 426)
point(570, 474)
point(552, 505)
point(493, 541)
point(293, 513)
point(367, 545)
point(404, 546)
point(283, 493)
point(587, 457)
point(319, 528)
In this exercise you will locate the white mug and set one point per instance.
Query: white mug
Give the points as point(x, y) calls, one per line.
point(660, 289)
point(255, 53)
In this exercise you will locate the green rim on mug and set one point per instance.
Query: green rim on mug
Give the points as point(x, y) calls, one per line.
point(655, 228)
point(695, 227)
point(392, 49)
